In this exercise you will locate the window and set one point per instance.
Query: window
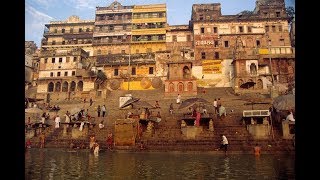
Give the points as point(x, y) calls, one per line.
point(55, 30)
point(74, 59)
point(67, 59)
point(124, 27)
point(192, 54)
point(216, 55)
point(60, 60)
point(73, 73)
point(202, 30)
point(267, 28)
point(215, 29)
point(258, 43)
point(150, 70)
point(174, 38)
point(133, 71)
point(45, 60)
point(111, 28)
point(278, 14)
point(137, 51)
point(226, 43)
point(203, 55)
point(58, 74)
point(88, 30)
point(273, 28)
point(201, 17)
point(265, 14)
point(281, 42)
point(149, 50)
point(241, 29)
point(63, 42)
point(249, 29)
point(80, 29)
point(280, 28)
point(53, 60)
point(53, 42)
point(188, 37)
point(71, 30)
point(66, 73)
point(123, 51)
point(116, 72)
point(51, 74)
point(63, 30)
point(216, 43)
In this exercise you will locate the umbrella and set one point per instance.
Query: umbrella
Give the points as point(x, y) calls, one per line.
point(142, 104)
point(33, 110)
point(192, 101)
point(75, 110)
point(284, 102)
point(247, 85)
point(129, 102)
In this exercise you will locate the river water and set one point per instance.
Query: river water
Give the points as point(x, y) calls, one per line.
point(81, 164)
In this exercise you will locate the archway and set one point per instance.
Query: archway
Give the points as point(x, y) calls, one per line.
point(253, 69)
point(180, 87)
point(58, 87)
point(186, 72)
point(190, 86)
point(50, 87)
point(65, 86)
point(171, 87)
point(259, 84)
point(80, 86)
point(72, 86)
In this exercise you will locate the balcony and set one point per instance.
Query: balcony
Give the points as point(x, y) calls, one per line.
point(274, 50)
point(149, 20)
point(60, 33)
point(109, 22)
point(68, 43)
point(106, 42)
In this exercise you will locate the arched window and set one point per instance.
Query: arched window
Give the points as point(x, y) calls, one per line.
point(253, 69)
point(58, 87)
point(72, 86)
point(180, 87)
point(171, 87)
point(65, 86)
point(50, 87)
point(80, 86)
point(186, 72)
point(190, 86)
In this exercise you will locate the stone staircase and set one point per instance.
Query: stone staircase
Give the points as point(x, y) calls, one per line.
point(167, 134)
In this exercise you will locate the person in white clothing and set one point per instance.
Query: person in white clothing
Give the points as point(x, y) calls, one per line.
point(179, 99)
point(57, 121)
point(290, 116)
point(96, 149)
point(224, 144)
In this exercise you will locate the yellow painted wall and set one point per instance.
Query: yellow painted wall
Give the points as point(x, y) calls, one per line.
point(150, 8)
point(263, 51)
point(134, 85)
point(148, 31)
point(211, 67)
point(143, 47)
point(149, 20)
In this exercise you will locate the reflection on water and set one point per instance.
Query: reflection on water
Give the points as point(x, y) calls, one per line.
point(81, 164)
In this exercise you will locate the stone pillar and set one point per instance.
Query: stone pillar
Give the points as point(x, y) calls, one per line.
point(211, 125)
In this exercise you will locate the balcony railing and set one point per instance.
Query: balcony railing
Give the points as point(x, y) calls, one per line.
point(256, 113)
point(66, 43)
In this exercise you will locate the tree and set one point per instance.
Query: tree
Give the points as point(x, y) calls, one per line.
point(290, 12)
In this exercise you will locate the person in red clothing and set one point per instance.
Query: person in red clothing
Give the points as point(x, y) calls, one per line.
point(28, 144)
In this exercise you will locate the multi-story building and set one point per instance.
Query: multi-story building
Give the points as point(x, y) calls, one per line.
point(112, 29)
point(31, 64)
point(69, 34)
point(63, 75)
point(148, 28)
point(231, 50)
